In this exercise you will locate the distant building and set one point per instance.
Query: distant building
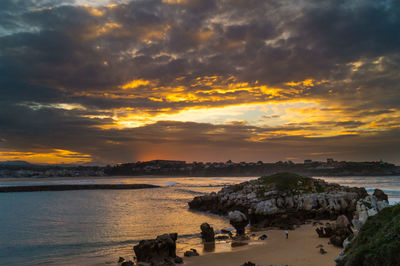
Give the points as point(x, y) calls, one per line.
point(168, 162)
point(308, 161)
point(330, 161)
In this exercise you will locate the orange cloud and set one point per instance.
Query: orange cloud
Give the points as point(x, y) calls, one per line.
point(56, 156)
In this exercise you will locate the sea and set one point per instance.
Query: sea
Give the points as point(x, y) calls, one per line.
point(96, 227)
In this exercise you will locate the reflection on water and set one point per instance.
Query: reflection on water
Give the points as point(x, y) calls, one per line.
point(208, 247)
point(65, 227)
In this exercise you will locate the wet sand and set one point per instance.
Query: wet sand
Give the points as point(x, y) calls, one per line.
point(299, 250)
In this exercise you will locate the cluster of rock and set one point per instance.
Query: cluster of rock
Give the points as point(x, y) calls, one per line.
point(340, 232)
point(238, 220)
point(158, 252)
point(162, 250)
point(282, 200)
point(336, 232)
point(377, 243)
point(369, 206)
point(366, 207)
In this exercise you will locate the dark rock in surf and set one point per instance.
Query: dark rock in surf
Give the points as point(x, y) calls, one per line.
point(207, 232)
point(157, 251)
point(190, 253)
point(238, 220)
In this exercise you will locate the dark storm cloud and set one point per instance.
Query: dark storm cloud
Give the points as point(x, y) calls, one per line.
point(52, 52)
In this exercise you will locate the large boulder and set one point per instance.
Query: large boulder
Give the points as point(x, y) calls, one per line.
point(238, 220)
point(159, 251)
point(339, 235)
point(380, 195)
point(336, 232)
point(342, 222)
point(207, 232)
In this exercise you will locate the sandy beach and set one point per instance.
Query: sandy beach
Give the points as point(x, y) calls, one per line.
point(299, 250)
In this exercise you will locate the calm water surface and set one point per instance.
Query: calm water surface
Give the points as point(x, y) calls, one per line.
point(97, 226)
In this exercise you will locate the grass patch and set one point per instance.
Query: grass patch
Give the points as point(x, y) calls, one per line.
point(378, 242)
point(288, 182)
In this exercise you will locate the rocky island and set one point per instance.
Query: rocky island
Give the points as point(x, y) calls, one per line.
point(282, 200)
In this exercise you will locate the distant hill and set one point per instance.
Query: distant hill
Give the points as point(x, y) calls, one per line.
point(15, 163)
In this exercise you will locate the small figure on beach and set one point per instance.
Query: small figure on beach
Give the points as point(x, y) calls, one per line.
point(287, 233)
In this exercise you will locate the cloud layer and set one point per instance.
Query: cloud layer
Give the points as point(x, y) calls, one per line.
point(199, 80)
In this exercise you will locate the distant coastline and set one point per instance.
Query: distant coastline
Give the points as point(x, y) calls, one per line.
point(229, 168)
point(170, 168)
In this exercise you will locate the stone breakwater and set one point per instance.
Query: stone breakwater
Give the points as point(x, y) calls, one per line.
point(282, 200)
point(74, 187)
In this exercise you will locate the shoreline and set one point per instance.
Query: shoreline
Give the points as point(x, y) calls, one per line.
point(10, 179)
point(300, 250)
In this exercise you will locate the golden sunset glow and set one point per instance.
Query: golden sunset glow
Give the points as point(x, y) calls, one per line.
point(54, 157)
point(107, 81)
point(134, 84)
point(94, 11)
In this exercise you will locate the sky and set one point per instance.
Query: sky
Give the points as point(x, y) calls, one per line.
point(102, 81)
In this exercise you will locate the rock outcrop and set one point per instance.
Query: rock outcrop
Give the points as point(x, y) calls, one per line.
point(377, 243)
point(238, 220)
point(369, 206)
point(282, 200)
point(159, 251)
point(380, 195)
point(207, 233)
point(336, 232)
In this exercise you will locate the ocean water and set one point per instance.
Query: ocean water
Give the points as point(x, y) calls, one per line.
point(95, 227)
point(389, 184)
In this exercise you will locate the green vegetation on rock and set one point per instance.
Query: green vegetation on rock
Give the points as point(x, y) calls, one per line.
point(289, 182)
point(378, 242)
